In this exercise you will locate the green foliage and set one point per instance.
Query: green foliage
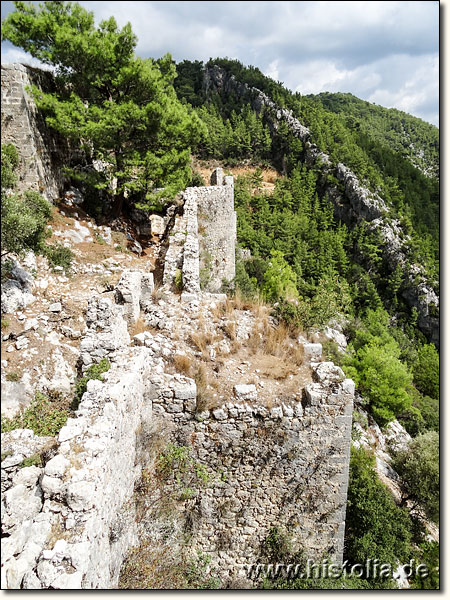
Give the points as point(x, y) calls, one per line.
point(10, 160)
point(179, 280)
point(5, 323)
point(428, 554)
point(342, 582)
point(360, 418)
point(277, 546)
point(279, 279)
point(177, 467)
point(426, 371)
point(32, 461)
point(24, 218)
point(332, 353)
point(93, 372)
point(418, 467)
point(248, 286)
point(374, 365)
point(59, 255)
point(40, 416)
point(120, 108)
point(375, 527)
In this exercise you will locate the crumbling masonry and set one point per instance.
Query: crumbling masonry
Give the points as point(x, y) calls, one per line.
point(70, 523)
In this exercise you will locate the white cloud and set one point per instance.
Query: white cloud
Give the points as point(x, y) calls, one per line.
point(15, 55)
point(312, 46)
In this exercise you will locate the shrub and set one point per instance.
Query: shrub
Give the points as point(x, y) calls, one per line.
point(40, 416)
point(426, 371)
point(418, 467)
point(279, 279)
point(59, 255)
point(247, 285)
point(196, 179)
point(382, 378)
point(93, 372)
point(332, 353)
point(375, 527)
point(24, 222)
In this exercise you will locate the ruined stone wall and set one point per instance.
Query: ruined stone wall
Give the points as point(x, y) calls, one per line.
point(217, 231)
point(42, 154)
point(284, 468)
point(71, 523)
point(203, 241)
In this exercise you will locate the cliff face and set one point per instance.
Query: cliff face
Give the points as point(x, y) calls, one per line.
point(355, 205)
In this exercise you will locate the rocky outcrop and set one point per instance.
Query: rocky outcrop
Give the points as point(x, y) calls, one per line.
point(354, 205)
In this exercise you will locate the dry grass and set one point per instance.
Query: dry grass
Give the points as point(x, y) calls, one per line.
point(139, 327)
point(182, 363)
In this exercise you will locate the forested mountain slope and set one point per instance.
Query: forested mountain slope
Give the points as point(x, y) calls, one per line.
point(409, 136)
point(328, 243)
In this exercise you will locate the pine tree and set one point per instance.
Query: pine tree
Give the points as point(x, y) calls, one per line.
point(122, 109)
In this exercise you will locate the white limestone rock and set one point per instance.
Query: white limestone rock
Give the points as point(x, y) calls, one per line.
point(14, 297)
point(245, 393)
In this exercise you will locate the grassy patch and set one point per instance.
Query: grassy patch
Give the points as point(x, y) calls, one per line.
point(93, 372)
point(40, 416)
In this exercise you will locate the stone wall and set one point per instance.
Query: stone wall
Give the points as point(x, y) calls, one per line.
point(203, 240)
point(217, 231)
point(42, 154)
point(71, 523)
point(284, 468)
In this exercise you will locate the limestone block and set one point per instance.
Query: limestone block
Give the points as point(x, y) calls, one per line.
point(328, 373)
point(245, 393)
point(14, 298)
point(27, 476)
point(21, 503)
point(56, 466)
point(185, 390)
point(276, 412)
point(157, 225)
point(348, 387)
point(55, 307)
point(314, 394)
point(128, 294)
point(219, 414)
point(51, 486)
point(147, 287)
point(81, 495)
point(228, 180)
point(217, 177)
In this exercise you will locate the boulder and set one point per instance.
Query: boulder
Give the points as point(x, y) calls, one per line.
point(15, 397)
point(14, 297)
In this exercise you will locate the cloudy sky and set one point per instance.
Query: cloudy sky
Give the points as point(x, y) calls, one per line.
point(386, 52)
